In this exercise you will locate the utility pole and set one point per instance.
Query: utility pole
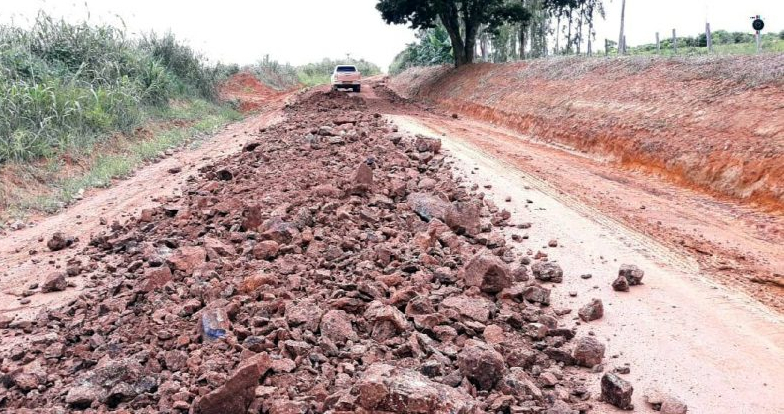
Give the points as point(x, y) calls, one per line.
point(621, 36)
point(658, 44)
point(708, 37)
point(674, 43)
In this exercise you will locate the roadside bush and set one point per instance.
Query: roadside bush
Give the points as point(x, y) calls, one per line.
point(63, 86)
point(432, 47)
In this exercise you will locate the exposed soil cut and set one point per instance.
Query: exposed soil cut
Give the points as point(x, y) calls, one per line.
point(716, 125)
point(250, 92)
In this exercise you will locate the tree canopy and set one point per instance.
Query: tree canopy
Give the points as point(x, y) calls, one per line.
point(462, 19)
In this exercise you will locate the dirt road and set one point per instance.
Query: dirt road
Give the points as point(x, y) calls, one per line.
point(694, 330)
point(698, 328)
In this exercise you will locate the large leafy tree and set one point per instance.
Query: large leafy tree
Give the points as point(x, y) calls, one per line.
point(462, 19)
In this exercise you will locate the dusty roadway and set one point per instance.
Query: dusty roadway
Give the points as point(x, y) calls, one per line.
point(696, 329)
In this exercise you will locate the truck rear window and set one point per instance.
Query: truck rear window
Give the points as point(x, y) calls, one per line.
point(346, 69)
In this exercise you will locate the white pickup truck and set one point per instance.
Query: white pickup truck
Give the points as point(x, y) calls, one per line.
point(346, 77)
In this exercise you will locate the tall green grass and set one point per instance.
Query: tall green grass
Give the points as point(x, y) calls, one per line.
point(285, 76)
point(66, 86)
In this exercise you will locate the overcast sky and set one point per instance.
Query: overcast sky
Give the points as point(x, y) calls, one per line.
point(301, 31)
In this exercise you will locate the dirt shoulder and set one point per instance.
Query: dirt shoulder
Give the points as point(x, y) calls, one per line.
point(734, 242)
point(710, 124)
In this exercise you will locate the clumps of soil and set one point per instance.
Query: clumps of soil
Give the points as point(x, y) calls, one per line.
point(250, 93)
point(333, 265)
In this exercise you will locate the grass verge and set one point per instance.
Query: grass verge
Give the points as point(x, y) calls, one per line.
point(50, 184)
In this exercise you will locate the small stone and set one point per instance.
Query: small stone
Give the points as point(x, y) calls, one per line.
point(59, 242)
point(592, 311)
point(481, 364)
point(620, 284)
point(632, 273)
point(553, 243)
point(547, 272)
point(617, 391)
point(588, 352)
point(55, 282)
point(673, 405)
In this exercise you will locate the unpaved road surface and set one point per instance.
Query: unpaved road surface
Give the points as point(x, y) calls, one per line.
point(310, 243)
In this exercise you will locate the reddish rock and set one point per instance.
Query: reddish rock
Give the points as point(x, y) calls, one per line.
point(305, 313)
point(427, 206)
point(617, 391)
point(463, 218)
point(476, 309)
point(363, 179)
point(537, 294)
point(147, 215)
point(592, 311)
point(234, 396)
point(336, 325)
point(481, 364)
point(54, 282)
point(266, 250)
point(187, 259)
point(621, 284)
point(427, 144)
point(384, 388)
point(59, 241)
point(588, 352)
point(547, 272)
point(673, 405)
point(487, 272)
point(155, 277)
point(632, 273)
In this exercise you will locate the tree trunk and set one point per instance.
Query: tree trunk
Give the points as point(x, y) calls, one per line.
point(522, 42)
point(621, 46)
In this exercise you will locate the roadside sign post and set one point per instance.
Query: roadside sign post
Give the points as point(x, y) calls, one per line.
point(757, 24)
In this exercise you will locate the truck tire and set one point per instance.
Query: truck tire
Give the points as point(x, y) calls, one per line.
point(357, 88)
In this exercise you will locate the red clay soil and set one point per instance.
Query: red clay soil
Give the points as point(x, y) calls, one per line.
point(251, 93)
point(713, 124)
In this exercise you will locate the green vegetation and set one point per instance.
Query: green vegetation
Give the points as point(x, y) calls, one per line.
point(114, 158)
point(66, 87)
point(432, 47)
point(724, 43)
point(286, 76)
point(74, 96)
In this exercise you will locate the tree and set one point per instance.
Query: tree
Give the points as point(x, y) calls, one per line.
point(462, 19)
point(622, 36)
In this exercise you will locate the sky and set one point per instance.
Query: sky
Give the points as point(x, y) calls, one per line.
point(302, 31)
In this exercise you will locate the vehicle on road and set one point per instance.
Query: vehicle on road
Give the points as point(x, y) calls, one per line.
point(346, 77)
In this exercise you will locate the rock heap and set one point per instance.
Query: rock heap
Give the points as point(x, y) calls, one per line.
point(333, 265)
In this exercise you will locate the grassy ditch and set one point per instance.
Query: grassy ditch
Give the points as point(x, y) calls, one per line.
point(48, 185)
point(74, 98)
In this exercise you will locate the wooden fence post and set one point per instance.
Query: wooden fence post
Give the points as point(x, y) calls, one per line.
point(674, 42)
point(658, 44)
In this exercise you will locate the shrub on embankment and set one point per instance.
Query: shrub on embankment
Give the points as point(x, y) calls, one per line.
point(66, 86)
point(714, 123)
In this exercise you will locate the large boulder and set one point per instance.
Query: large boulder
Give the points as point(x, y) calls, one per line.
point(384, 388)
point(481, 364)
point(488, 272)
point(463, 218)
point(427, 206)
